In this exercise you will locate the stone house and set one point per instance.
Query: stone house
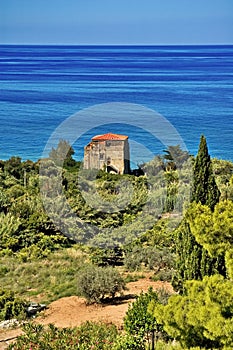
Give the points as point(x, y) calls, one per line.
point(108, 151)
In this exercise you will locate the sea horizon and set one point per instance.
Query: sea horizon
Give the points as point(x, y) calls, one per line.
point(117, 45)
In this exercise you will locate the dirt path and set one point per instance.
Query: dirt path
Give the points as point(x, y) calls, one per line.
point(72, 311)
point(8, 336)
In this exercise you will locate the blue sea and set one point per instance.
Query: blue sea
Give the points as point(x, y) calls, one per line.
point(42, 86)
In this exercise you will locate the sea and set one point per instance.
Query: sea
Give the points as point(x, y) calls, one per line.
point(191, 87)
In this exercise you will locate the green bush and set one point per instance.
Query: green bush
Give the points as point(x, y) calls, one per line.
point(3, 270)
point(163, 295)
point(89, 336)
point(96, 283)
point(164, 275)
point(140, 323)
point(10, 306)
point(97, 336)
point(151, 257)
point(133, 259)
point(203, 316)
point(128, 342)
point(106, 257)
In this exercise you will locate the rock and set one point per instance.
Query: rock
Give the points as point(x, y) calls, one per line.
point(33, 308)
point(9, 323)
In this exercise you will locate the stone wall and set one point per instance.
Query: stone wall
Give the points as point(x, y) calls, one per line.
point(113, 154)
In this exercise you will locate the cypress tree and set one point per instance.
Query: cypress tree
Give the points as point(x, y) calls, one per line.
point(193, 261)
point(204, 189)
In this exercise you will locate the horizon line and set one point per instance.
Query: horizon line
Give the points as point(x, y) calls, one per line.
point(66, 44)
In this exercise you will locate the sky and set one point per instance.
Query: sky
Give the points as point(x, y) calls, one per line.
point(116, 22)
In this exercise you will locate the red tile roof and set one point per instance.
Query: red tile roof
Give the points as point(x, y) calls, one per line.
point(109, 136)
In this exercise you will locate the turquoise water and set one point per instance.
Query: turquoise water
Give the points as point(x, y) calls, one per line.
point(41, 86)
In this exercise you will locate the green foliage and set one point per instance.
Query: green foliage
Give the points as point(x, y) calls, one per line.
point(21, 198)
point(128, 342)
point(13, 166)
point(163, 295)
point(139, 322)
point(175, 157)
point(229, 263)
point(205, 189)
point(160, 235)
point(23, 221)
point(172, 182)
point(193, 261)
point(154, 167)
point(89, 336)
point(14, 171)
point(152, 258)
point(9, 232)
point(202, 243)
point(111, 208)
point(165, 275)
point(62, 155)
point(203, 316)
point(15, 192)
point(96, 283)
point(106, 257)
point(10, 306)
point(214, 230)
point(35, 233)
point(169, 179)
point(223, 171)
point(4, 202)
point(174, 345)
point(51, 278)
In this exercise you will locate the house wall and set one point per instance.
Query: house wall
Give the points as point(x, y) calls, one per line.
point(111, 153)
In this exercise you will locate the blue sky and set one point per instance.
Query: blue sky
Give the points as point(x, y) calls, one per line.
point(116, 21)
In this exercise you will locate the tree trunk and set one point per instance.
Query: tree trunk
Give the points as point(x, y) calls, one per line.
point(153, 340)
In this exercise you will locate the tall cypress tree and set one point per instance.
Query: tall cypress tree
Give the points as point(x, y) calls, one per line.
point(204, 189)
point(193, 261)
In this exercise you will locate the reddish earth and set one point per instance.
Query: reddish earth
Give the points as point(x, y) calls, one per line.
point(72, 311)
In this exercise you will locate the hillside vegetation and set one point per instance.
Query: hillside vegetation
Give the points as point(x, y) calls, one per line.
point(65, 231)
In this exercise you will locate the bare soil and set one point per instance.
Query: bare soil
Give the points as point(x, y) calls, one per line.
point(72, 311)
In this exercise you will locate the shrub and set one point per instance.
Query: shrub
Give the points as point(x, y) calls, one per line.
point(128, 342)
point(10, 306)
point(151, 257)
point(97, 335)
point(164, 275)
point(134, 259)
point(107, 257)
point(163, 295)
point(90, 335)
point(141, 323)
point(96, 283)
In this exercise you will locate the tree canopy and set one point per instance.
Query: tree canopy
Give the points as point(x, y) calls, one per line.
point(203, 316)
